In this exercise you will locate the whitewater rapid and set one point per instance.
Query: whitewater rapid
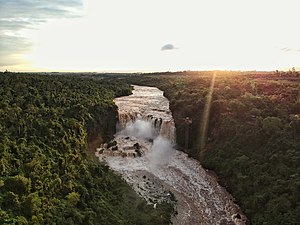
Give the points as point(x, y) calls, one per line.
point(145, 118)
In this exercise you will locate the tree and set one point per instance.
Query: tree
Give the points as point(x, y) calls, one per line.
point(272, 125)
point(73, 198)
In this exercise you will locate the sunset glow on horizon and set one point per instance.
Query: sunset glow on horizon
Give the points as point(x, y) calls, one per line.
point(134, 35)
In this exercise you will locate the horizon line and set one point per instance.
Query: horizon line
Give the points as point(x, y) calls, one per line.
point(297, 69)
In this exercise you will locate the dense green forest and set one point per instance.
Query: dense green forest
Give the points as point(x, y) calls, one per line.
point(253, 138)
point(47, 173)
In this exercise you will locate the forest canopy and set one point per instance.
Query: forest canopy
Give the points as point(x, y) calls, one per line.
point(47, 173)
point(47, 121)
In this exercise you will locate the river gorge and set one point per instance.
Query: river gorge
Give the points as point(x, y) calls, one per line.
point(143, 154)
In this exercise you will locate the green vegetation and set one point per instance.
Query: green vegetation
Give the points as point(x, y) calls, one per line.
point(47, 175)
point(253, 140)
point(47, 122)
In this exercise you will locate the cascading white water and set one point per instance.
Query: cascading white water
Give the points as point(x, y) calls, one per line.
point(148, 130)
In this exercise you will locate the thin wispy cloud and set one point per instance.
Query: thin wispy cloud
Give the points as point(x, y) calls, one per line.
point(286, 49)
point(19, 15)
point(168, 47)
point(33, 9)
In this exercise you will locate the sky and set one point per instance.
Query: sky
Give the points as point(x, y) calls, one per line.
point(143, 36)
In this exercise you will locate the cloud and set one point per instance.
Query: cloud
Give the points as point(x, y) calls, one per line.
point(168, 47)
point(17, 16)
point(286, 49)
point(33, 9)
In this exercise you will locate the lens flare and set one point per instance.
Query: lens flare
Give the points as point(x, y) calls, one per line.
point(205, 115)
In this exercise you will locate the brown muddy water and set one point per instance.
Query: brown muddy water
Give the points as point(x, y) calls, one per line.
point(144, 156)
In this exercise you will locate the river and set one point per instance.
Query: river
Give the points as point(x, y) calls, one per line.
point(144, 156)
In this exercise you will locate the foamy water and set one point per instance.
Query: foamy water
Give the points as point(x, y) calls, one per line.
point(145, 119)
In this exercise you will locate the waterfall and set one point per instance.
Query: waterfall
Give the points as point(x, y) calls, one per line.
point(143, 148)
point(161, 127)
point(167, 130)
point(127, 117)
point(147, 104)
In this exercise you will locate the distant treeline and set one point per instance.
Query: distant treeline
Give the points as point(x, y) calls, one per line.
point(47, 175)
point(253, 139)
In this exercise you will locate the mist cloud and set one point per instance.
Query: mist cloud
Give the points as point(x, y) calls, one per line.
point(161, 152)
point(140, 129)
point(161, 149)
